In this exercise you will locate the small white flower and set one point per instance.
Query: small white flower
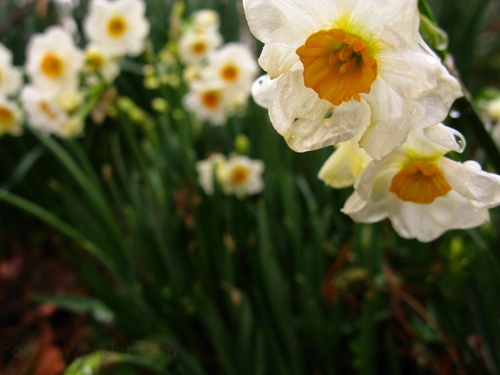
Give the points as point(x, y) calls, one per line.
point(11, 118)
point(119, 27)
point(99, 61)
point(10, 77)
point(422, 192)
point(241, 176)
point(209, 102)
point(194, 47)
point(233, 65)
point(346, 56)
point(204, 20)
point(53, 61)
point(44, 111)
point(208, 171)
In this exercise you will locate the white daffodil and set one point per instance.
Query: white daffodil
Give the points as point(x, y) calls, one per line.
point(194, 47)
point(47, 113)
point(233, 65)
point(241, 176)
point(346, 163)
point(204, 20)
point(422, 192)
point(119, 27)
point(53, 61)
point(10, 77)
point(345, 57)
point(99, 62)
point(209, 102)
point(208, 171)
point(11, 118)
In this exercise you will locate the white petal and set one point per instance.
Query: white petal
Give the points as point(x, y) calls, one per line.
point(412, 221)
point(479, 186)
point(454, 211)
point(363, 211)
point(445, 136)
point(263, 90)
point(345, 165)
point(388, 128)
point(307, 122)
point(288, 21)
point(277, 58)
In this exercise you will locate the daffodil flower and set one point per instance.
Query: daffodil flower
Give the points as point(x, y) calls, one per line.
point(422, 192)
point(208, 171)
point(10, 77)
point(233, 66)
point(53, 61)
point(119, 27)
point(241, 176)
point(335, 60)
point(11, 118)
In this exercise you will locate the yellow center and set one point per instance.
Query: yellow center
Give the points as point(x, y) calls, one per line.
point(6, 116)
point(52, 65)
point(337, 65)
point(420, 182)
point(117, 26)
point(229, 73)
point(95, 61)
point(199, 48)
point(0, 76)
point(210, 99)
point(47, 111)
point(239, 175)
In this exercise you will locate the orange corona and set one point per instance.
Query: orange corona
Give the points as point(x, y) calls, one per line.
point(239, 175)
point(337, 65)
point(52, 66)
point(420, 182)
point(117, 27)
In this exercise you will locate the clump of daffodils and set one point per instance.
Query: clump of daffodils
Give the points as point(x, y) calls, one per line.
point(358, 75)
point(62, 76)
point(10, 82)
point(219, 76)
point(237, 175)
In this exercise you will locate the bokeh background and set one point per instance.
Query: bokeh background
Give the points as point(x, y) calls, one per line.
point(113, 259)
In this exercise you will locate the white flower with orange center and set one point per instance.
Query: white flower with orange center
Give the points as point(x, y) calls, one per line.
point(99, 62)
point(422, 192)
point(119, 27)
point(209, 102)
point(11, 118)
point(208, 171)
point(233, 65)
point(53, 61)
point(333, 60)
point(10, 77)
point(44, 112)
point(194, 47)
point(241, 176)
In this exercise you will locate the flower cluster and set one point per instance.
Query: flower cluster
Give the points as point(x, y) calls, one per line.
point(358, 75)
point(10, 83)
point(237, 175)
point(61, 75)
point(219, 76)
